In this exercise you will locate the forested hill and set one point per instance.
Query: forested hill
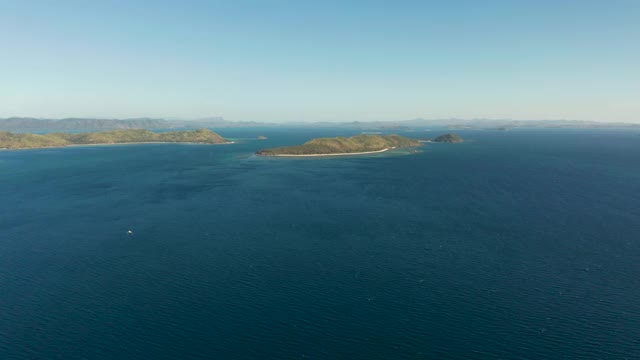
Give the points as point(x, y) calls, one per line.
point(10, 140)
point(343, 145)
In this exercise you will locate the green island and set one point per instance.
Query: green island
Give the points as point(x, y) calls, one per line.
point(355, 145)
point(10, 140)
point(448, 138)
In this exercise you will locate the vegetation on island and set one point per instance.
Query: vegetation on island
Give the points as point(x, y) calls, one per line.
point(10, 140)
point(449, 138)
point(344, 145)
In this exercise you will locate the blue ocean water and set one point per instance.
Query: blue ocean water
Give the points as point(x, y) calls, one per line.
point(514, 245)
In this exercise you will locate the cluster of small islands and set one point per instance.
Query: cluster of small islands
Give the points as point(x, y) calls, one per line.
point(355, 145)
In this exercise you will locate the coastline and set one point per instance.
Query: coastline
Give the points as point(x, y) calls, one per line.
point(123, 143)
point(337, 154)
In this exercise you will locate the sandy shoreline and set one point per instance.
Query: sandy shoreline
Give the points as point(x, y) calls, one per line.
point(123, 143)
point(338, 154)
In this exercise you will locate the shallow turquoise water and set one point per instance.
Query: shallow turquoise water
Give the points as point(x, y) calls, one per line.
point(519, 244)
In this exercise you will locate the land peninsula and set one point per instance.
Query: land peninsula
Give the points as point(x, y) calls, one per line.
point(355, 145)
point(10, 140)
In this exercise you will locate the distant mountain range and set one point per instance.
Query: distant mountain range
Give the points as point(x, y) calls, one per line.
point(493, 124)
point(24, 124)
point(91, 124)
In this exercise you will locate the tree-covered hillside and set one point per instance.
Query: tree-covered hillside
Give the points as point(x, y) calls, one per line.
point(10, 140)
point(448, 138)
point(343, 145)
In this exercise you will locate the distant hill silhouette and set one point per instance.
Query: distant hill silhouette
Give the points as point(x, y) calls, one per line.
point(23, 124)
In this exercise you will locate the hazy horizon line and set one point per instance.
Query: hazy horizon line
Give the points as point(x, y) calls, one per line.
point(222, 118)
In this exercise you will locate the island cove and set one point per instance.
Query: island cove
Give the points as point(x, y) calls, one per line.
point(355, 145)
point(10, 140)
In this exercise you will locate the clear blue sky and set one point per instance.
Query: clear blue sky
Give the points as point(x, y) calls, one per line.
point(321, 60)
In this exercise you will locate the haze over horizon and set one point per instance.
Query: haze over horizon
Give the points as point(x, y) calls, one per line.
point(283, 61)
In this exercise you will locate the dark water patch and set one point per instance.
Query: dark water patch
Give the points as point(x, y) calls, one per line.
point(519, 244)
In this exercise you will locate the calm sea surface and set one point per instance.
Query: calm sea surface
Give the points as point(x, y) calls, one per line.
point(522, 244)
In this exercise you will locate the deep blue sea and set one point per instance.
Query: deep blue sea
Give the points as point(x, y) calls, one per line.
point(521, 244)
